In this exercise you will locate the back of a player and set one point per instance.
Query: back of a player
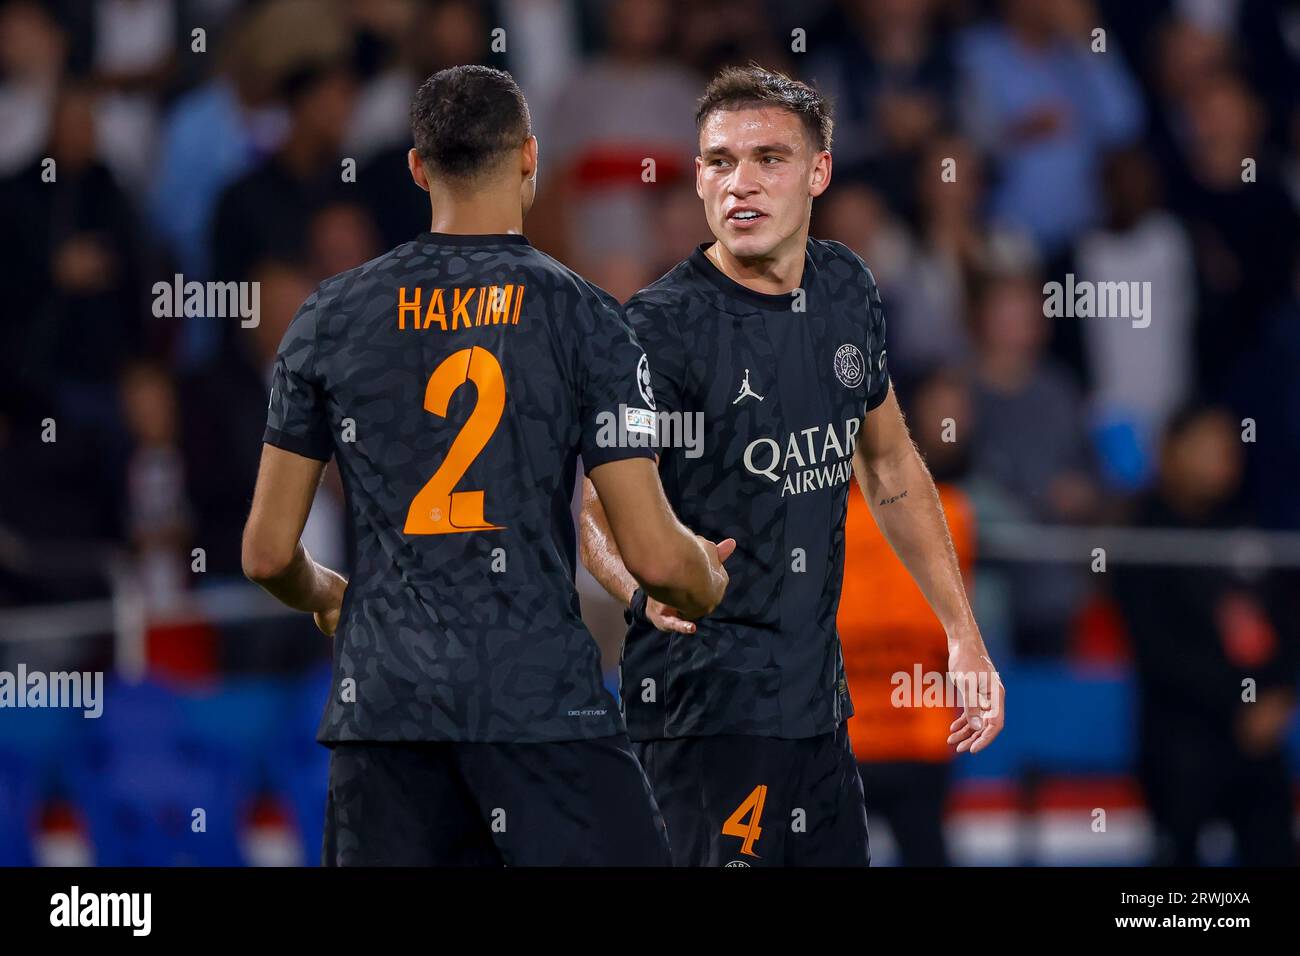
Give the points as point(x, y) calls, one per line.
point(457, 380)
point(446, 375)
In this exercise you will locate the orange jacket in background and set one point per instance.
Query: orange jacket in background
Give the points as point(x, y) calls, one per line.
point(886, 627)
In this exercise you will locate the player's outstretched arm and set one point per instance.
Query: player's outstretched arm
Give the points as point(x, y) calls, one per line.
point(636, 539)
point(601, 557)
point(905, 504)
point(273, 555)
point(598, 551)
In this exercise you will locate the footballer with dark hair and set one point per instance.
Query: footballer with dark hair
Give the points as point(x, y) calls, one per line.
point(457, 379)
point(778, 340)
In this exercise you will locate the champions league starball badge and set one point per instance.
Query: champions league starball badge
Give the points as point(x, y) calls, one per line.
point(643, 381)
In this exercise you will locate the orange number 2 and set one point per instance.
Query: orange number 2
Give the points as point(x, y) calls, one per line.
point(751, 831)
point(436, 509)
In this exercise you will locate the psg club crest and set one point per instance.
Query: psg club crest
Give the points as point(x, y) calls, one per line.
point(643, 381)
point(850, 367)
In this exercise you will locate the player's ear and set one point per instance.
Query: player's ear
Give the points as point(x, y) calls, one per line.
point(528, 158)
point(821, 174)
point(699, 172)
point(417, 169)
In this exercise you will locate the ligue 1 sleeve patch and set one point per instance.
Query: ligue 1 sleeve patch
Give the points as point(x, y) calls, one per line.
point(639, 420)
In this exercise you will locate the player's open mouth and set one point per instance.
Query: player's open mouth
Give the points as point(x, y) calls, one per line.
point(744, 218)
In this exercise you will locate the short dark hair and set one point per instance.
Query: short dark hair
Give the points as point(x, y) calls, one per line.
point(749, 87)
point(465, 117)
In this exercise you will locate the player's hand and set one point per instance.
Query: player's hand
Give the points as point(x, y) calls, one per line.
point(717, 555)
point(982, 694)
point(667, 618)
point(328, 621)
point(723, 549)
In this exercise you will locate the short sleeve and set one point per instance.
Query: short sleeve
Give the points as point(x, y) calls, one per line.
point(655, 330)
point(877, 369)
point(618, 403)
point(295, 415)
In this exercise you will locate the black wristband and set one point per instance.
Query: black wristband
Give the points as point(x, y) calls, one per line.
point(639, 599)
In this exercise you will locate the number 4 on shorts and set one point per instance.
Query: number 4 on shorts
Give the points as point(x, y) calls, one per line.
point(750, 831)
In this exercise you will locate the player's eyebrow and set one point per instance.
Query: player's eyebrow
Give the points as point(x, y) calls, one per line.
point(726, 152)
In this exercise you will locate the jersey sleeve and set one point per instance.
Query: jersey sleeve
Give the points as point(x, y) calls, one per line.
point(877, 370)
point(618, 407)
point(654, 329)
point(295, 415)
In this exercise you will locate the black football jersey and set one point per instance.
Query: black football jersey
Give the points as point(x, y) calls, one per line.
point(457, 380)
point(780, 385)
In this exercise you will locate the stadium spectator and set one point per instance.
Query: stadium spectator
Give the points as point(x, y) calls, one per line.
point(1046, 107)
point(33, 55)
point(891, 79)
point(212, 135)
point(1140, 370)
point(1265, 390)
point(1183, 54)
point(710, 36)
point(132, 57)
point(340, 236)
point(1244, 229)
point(858, 216)
point(1031, 440)
point(398, 45)
point(72, 283)
point(158, 515)
point(629, 105)
point(55, 526)
point(440, 35)
point(265, 213)
point(222, 403)
point(1216, 664)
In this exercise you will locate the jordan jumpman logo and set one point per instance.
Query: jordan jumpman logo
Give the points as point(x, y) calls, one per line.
point(746, 391)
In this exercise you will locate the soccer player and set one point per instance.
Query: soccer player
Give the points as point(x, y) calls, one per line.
point(778, 340)
point(457, 379)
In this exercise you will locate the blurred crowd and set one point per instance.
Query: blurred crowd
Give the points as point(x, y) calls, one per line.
point(981, 149)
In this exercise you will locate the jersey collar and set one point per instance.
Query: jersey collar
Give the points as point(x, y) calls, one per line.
point(485, 239)
point(779, 302)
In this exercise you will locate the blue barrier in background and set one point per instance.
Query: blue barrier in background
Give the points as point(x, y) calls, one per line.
point(137, 773)
point(1061, 719)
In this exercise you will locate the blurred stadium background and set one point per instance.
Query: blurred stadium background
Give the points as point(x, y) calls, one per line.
point(1175, 447)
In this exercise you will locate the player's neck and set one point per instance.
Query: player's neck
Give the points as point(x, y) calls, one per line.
point(477, 215)
point(774, 274)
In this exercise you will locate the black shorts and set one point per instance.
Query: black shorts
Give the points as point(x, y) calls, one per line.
point(737, 800)
point(570, 803)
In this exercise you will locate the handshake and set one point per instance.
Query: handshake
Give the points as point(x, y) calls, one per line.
point(668, 617)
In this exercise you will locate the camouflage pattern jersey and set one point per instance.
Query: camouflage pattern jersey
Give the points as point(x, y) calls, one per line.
point(458, 379)
point(781, 383)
